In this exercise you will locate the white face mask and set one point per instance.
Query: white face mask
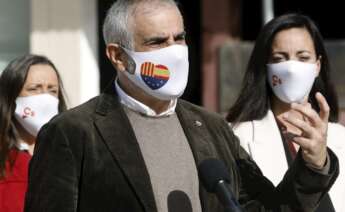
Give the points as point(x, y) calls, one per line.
point(161, 73)
point(32, 112)
point(291, 81)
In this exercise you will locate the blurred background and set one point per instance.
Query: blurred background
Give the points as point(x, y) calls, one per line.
point(220, 34)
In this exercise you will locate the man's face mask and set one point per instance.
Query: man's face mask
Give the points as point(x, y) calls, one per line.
point(291, 80)
point(32, 112)
point(161, 73)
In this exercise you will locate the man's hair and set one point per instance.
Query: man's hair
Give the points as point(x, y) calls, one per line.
point(116, 27)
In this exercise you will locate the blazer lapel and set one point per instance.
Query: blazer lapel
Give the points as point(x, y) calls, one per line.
point(267, 148)
point(196, 133)
point(118, 135)
point(198, 138)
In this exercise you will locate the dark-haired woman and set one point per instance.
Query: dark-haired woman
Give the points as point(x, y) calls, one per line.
point(288, 103)
point(30, 95)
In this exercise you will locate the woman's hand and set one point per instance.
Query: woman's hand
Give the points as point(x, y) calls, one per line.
point(313, 140)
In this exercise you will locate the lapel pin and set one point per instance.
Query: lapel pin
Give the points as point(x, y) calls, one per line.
point(198, 123)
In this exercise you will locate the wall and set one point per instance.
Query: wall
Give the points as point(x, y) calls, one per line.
point(66, 32)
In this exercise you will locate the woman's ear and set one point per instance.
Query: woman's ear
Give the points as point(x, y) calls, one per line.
point(114, 54)
point(318, 64)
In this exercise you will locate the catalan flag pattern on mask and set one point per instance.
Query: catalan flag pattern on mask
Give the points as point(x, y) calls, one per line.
point(154, 76)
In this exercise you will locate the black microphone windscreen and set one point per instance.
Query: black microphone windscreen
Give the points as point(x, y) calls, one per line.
point(178, 201)
point(211, 171)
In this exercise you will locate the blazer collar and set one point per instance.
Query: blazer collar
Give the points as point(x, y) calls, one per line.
point(195, 131)
point(266, 126)
point(267, 148)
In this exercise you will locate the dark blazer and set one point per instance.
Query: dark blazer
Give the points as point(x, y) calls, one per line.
point(88, 159)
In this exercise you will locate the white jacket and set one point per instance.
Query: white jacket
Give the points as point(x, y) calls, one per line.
point(262, 140)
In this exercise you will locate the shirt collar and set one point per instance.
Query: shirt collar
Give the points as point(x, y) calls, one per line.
point(137, 106)
point(23, 146)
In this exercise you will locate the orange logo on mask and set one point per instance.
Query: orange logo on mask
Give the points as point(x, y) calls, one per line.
point(276, 80)
point(28, 112)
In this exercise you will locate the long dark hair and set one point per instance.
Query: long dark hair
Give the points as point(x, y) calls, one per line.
point(12, 80)
point(253, 101)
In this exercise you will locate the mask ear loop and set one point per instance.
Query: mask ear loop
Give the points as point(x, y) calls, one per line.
point(130, 63)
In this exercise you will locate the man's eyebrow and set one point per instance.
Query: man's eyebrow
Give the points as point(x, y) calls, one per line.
point(163, 38)
point(156, 39)
point(181, 34)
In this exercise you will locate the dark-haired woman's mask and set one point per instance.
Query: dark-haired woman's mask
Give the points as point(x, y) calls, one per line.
point(291, 81)
point(32, 112)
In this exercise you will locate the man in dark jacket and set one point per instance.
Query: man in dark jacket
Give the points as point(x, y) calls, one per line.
point(136, 147)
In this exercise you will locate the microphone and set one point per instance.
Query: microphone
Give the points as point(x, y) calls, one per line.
point(178, 201)
point(216, 179)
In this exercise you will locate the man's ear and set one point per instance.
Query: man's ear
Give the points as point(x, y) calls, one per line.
point(114, 54)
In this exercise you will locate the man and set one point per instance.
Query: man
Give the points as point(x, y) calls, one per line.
point(136, 147)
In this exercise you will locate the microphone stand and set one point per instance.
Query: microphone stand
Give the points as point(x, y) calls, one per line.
point(225, 196)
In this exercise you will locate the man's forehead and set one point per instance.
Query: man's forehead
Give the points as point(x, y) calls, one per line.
point(162, 22)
